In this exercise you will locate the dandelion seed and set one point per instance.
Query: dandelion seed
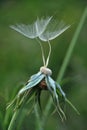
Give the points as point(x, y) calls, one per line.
point(34, 30)
point(53, 30)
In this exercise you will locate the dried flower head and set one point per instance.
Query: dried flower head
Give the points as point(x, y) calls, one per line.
point(42, 30)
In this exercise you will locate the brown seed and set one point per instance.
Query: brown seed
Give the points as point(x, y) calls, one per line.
point(43, 85)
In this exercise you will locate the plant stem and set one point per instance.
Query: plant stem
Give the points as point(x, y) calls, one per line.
point(39, 125)
point(71, 46)
point(67, 57)
point(14, 120)
point(41, 121)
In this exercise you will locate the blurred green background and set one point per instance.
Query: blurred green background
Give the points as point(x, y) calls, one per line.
point(21, 57)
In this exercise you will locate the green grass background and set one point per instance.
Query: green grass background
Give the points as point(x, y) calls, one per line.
point(21, 57)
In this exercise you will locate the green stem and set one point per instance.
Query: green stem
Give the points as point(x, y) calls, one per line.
point(39, 124)
point(67, 56)
point(71, 46)
point(20, 104)
point(41, 121)
point(46, 112)
point(14, 120)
